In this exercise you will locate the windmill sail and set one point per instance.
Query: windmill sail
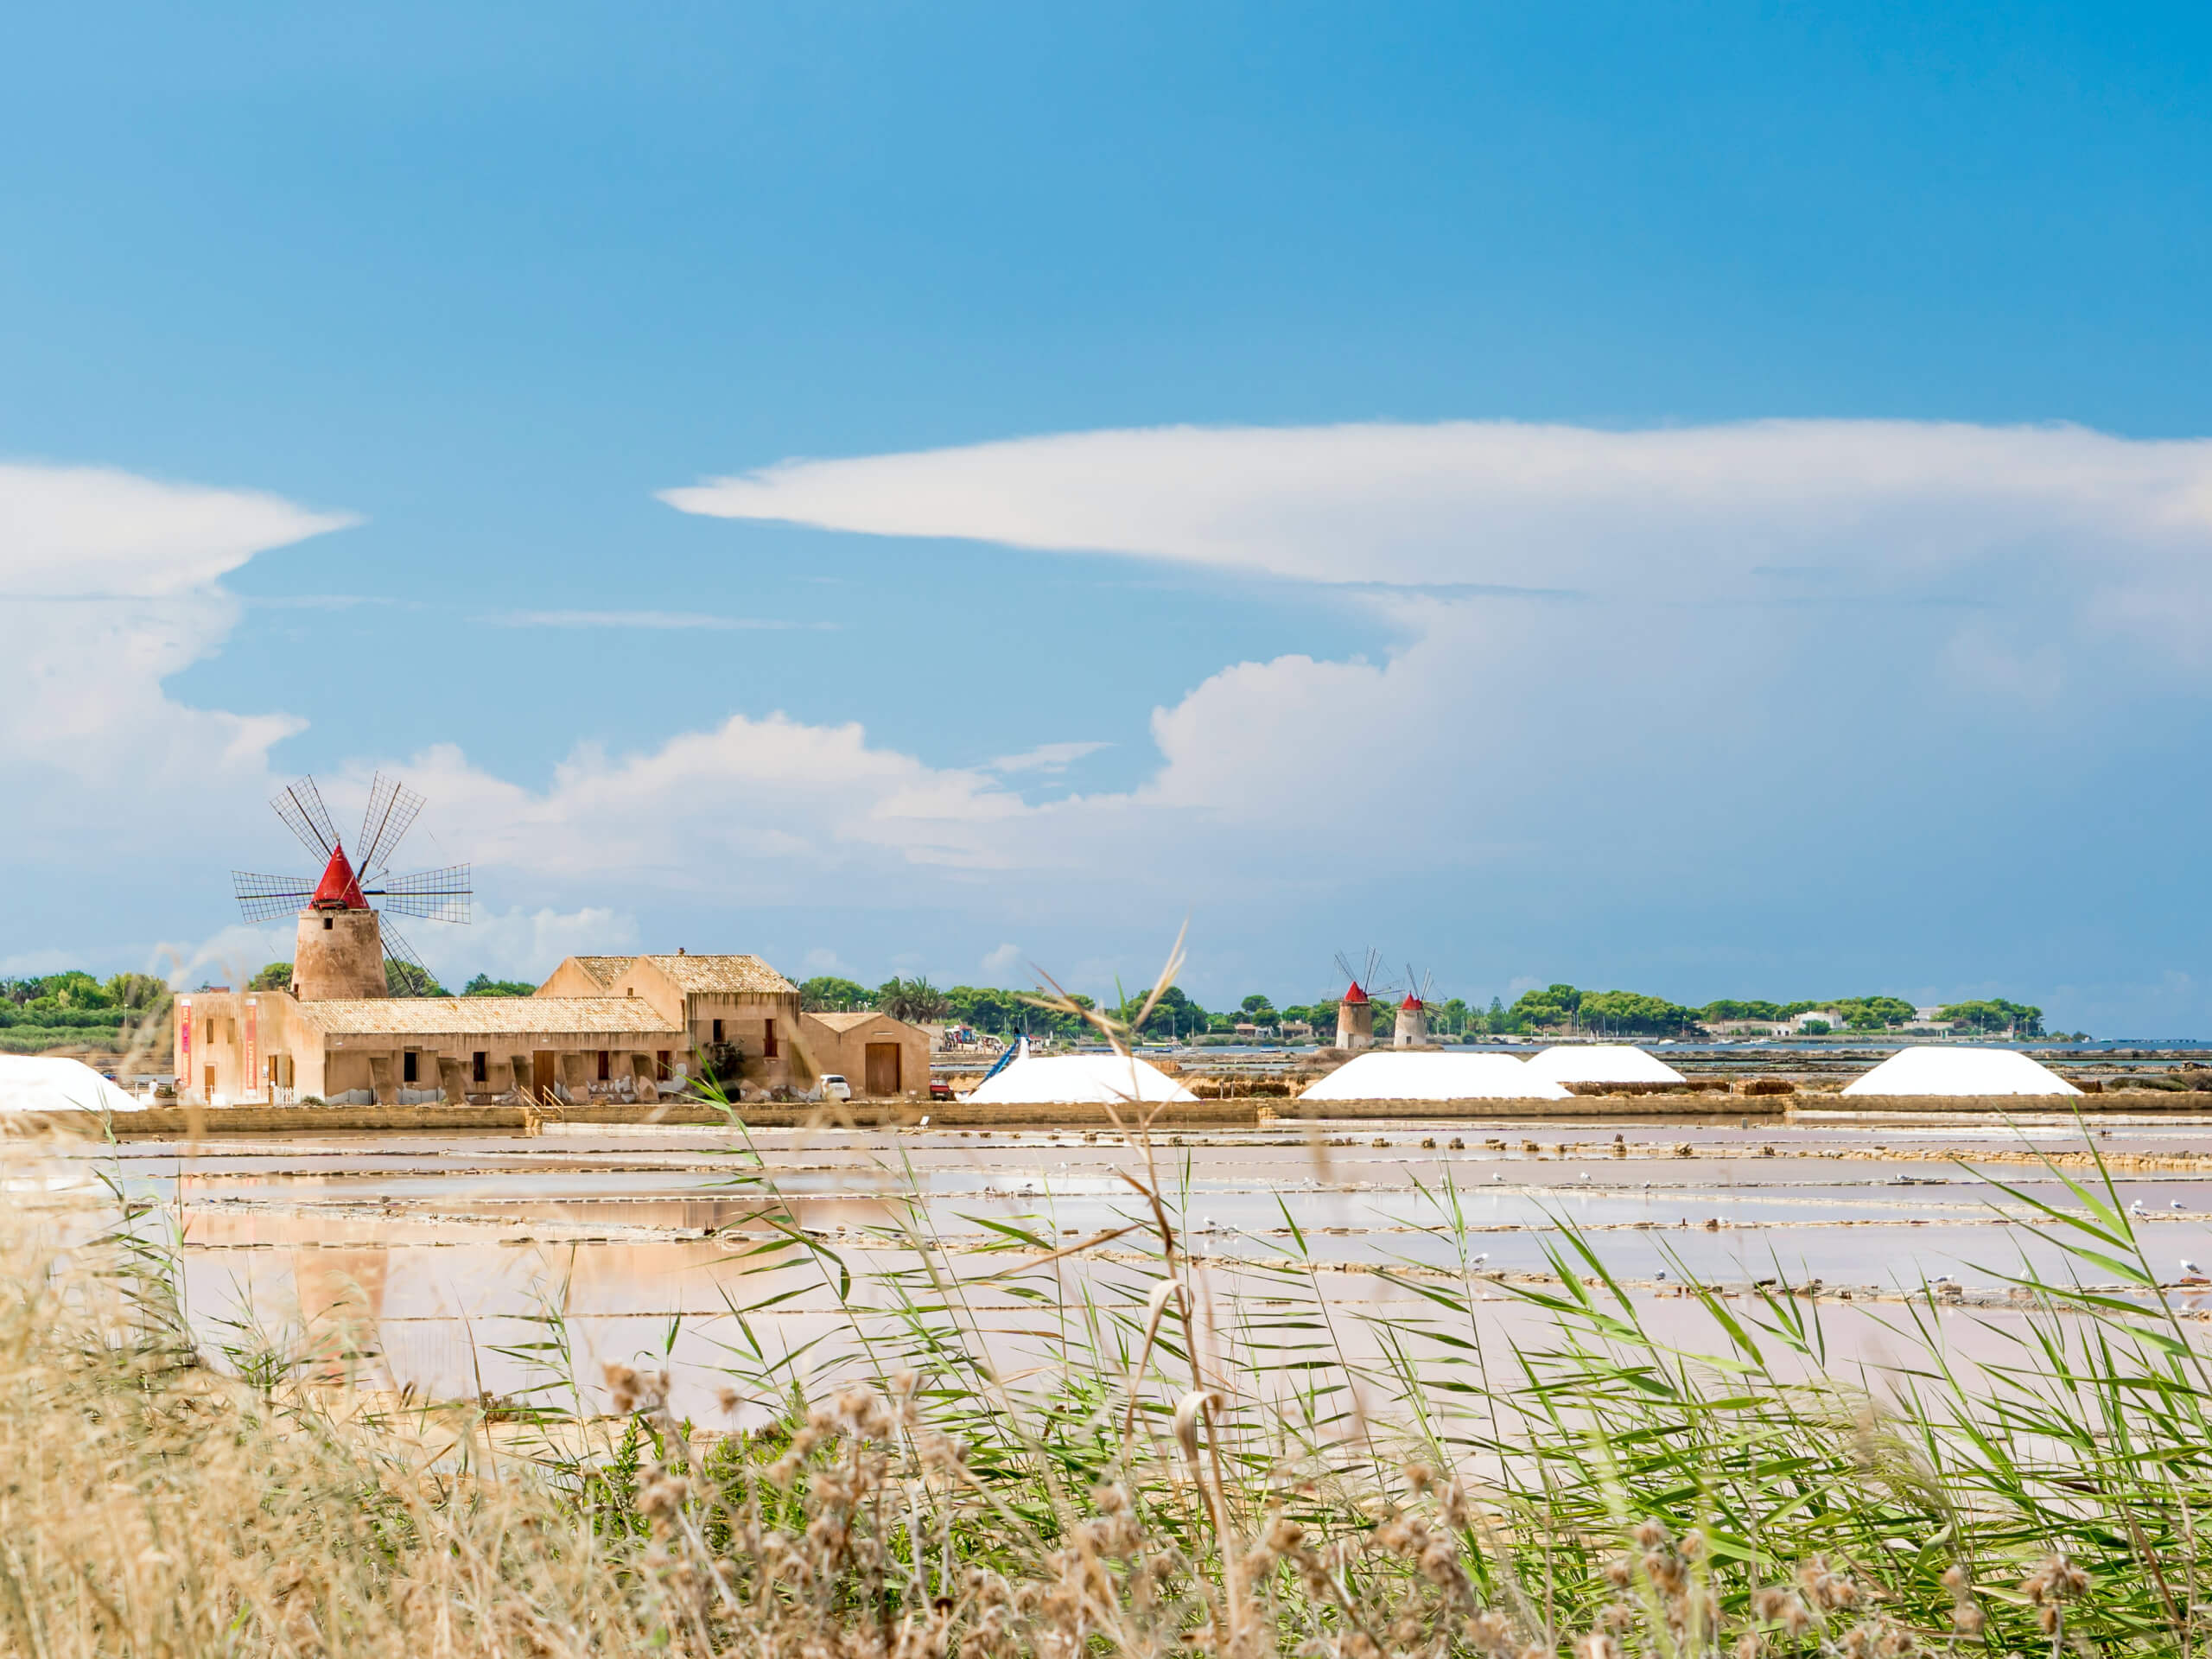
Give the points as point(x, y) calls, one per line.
point(434, 895)
point(396, 948)
point(392, 807)
point(300, 807)
point(266, 898)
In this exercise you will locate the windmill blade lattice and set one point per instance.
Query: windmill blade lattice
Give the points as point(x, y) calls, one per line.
point(300, 807)
point(434, 895)
point(396, 948)
point(392, 807)
point(267, 898)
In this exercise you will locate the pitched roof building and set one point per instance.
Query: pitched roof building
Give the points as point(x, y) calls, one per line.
point(600, 1027)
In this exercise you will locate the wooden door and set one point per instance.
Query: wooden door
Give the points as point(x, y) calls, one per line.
point(883, 1069)
point(541, 1062)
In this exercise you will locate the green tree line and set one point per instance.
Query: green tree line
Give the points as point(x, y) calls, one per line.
point(1553, 1009)
point(72, 1009)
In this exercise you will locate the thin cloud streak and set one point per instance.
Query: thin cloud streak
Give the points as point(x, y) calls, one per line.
point(1047, 757)
point(652, 619)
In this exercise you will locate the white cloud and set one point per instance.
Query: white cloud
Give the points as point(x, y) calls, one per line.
point(760, 808)
point(996, 964)
point(1901, 509)
point(232, 956)
point(109, 584)
point(822, 960)
point(1747, 596)
point(521, 942)
point(92, 531)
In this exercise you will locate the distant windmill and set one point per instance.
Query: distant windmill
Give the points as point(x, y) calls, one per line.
point(1356, 1008)
point(1411, 1030)
point(343, 939)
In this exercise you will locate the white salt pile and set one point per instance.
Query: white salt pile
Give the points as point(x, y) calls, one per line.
point(1078, 1079)
point(33, 1084)
point(1602, 1063)
point(1434, 1077)
point(1929, 1070)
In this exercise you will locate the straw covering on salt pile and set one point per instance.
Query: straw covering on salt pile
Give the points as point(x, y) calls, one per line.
point(1602, 1063)
point(1078, 1079)
point(35, 1083)
point(1434, 1077)
point(1942, 1071)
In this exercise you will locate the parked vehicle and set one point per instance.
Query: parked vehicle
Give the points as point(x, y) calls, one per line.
point(835, 1087)
point(940, 1089)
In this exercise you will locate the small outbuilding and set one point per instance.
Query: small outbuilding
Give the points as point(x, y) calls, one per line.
point(1930, 1069)
point(1601, 1063)
point(1078, 1080)
point(881, 1057)
point(1380, 1075)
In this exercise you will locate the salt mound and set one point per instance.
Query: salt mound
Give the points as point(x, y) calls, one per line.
point(1602, 1063)
point(29, 1083)
point(1078, 1079)
point(1434, 1076)
point(1940, 1071)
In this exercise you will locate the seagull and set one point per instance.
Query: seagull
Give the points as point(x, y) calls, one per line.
point(2175, 1204)
point(1945, 1278)
point(1663, 1275)
point(2136, 1208)
point(1585, 1174)
point(1482, 1258)
point(2190, 1269)
point(1497, 1175)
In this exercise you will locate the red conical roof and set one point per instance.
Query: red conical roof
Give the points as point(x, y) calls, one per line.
point(1412, 1001)
point(339, 889)
point(1353, 994)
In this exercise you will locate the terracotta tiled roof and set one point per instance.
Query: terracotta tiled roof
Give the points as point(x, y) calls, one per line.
point(605, 969)
point(440, 1016)
point(724, 974)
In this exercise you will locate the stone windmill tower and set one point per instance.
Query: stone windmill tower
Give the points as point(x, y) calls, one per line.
point(1411, 1030)
point(345, 941)
point(1356, 1008)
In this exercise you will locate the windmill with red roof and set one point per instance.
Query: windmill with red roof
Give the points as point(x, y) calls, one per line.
point(1411, 1027)
point(1356, 1008)
point(346, 946)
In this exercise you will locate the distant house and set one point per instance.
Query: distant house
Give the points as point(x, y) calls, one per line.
point(1750, 1029)
point(1827, 1017)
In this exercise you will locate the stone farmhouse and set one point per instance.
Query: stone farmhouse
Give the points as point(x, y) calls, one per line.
point(600, 1028)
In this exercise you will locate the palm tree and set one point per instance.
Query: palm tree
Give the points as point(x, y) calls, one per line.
point(915, 1000)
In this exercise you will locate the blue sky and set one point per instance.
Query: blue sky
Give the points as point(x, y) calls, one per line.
point(1906, 698)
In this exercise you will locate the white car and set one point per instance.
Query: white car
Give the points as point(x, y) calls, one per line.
point(833, 1087)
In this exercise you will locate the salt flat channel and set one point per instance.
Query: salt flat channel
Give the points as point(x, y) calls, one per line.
point(428, 1263)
